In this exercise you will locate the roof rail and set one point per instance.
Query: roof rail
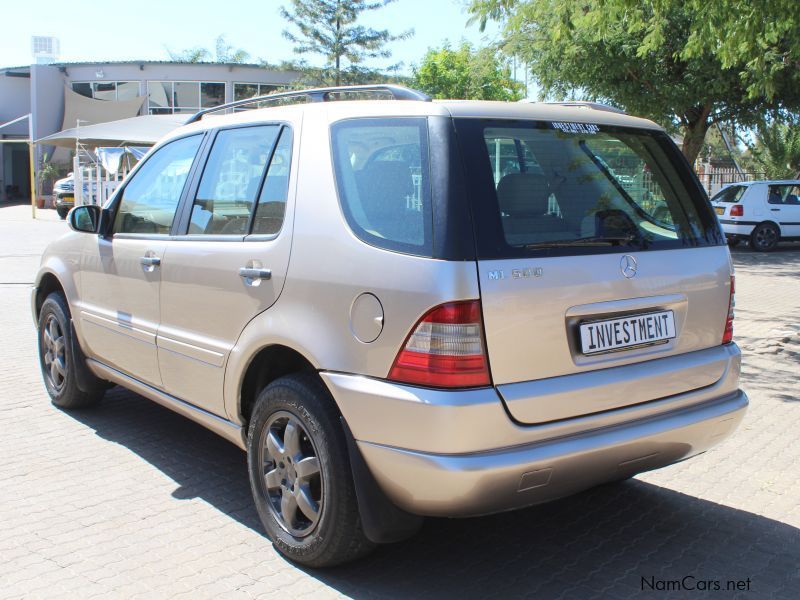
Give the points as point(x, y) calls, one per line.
point(319, 95)
point(592, 105)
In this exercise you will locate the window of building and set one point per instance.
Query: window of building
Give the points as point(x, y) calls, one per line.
point(107, 90)
point(167, 97)
point(243, 91)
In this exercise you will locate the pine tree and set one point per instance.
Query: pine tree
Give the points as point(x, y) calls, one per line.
point(330, 28)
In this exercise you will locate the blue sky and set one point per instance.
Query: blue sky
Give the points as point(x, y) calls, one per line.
point(103, 30)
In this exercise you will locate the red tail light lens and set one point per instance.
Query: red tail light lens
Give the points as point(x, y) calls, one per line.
point(727, 337)
point(737, 210)
point(445, 349)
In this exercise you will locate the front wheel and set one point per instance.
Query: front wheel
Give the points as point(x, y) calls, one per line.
point(300, 474)
point(62, 212)
point(57, 360)
point(765, 237)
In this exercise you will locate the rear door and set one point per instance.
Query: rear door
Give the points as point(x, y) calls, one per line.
point(229, 262)
point(601, 252)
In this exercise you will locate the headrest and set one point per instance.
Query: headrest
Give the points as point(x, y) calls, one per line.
point(523, 194)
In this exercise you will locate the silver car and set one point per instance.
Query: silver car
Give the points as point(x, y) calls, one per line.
point(402, 308)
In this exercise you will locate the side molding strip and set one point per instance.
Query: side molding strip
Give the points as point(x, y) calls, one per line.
point(222, 427)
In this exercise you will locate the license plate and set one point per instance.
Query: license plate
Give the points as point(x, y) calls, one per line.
point(627, 332)
point(719, 210)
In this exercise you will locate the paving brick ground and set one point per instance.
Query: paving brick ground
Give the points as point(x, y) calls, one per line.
point(131, 500)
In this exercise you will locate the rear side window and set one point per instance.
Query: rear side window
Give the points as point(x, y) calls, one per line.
point(383, 181)
point(572, 188)
point(729, 194)
point(272, 199)
point(231, 180)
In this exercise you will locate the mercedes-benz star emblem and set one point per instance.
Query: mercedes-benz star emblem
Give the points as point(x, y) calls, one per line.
point(628, 266)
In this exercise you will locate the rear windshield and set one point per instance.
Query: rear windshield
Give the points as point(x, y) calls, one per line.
point(729, 194)
point(566, 188)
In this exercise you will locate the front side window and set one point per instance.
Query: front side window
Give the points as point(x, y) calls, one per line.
point(150, 198)
point(382, 176)
point(561, 188)
point(231, 180)
point(784, 194)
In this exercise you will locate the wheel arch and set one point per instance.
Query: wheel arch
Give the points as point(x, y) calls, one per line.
point(265, 366)
point(47, 284)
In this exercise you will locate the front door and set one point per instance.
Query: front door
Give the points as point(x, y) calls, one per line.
point(784, 206)
point(230, 262)
point(121, 273)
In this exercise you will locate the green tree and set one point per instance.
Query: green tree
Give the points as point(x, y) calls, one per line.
point(330, 28)
point(466, 73)
point(223, 53)
point(775, 147)
point(669, 60)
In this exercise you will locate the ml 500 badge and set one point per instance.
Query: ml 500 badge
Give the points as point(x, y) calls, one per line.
point(517, 273)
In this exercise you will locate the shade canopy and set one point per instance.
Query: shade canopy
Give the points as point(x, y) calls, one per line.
point(135, 131)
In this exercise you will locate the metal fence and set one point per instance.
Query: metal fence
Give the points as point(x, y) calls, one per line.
point(714, 178)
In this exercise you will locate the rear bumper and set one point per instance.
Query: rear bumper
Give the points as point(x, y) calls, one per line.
point(737, 229)
point(457, 453)
point(488, 482)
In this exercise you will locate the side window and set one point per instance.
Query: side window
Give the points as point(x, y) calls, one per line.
point(272, 200)
point(784, 194)
point(150, 198)
point(231, 180)
point(383, 182)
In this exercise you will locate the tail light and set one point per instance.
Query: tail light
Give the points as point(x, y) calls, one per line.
point(445, 349)
point(737, 210)
point(727, 337)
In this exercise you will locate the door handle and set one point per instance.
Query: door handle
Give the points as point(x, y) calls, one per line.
point(254, 273)
point(150, 261)
point(775, 209)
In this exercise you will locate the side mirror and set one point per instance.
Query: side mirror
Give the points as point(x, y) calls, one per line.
point(85, 219)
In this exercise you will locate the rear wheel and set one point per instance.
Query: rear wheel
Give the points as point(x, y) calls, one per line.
point(300, 474)
point(765, 237)
point(57, 360)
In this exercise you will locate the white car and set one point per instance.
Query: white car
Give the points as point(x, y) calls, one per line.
point(763, 212)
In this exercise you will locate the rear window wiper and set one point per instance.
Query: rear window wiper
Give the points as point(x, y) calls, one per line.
point(586, 241)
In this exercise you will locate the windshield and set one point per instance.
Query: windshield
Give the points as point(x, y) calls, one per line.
point(558, 186)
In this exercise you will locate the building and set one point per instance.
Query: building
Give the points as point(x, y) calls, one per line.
point(58, 96)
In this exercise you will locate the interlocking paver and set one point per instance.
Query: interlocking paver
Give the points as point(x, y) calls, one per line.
point(130, 500)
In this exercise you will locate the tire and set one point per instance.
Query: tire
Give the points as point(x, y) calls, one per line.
point(733, 242)
point(765, 237)
point(57, 359)
point(62, 212)
point(332, 534)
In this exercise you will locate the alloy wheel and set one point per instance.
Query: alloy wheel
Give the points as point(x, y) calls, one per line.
point(55, 359)
point(292, 478)
point(766, 237)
